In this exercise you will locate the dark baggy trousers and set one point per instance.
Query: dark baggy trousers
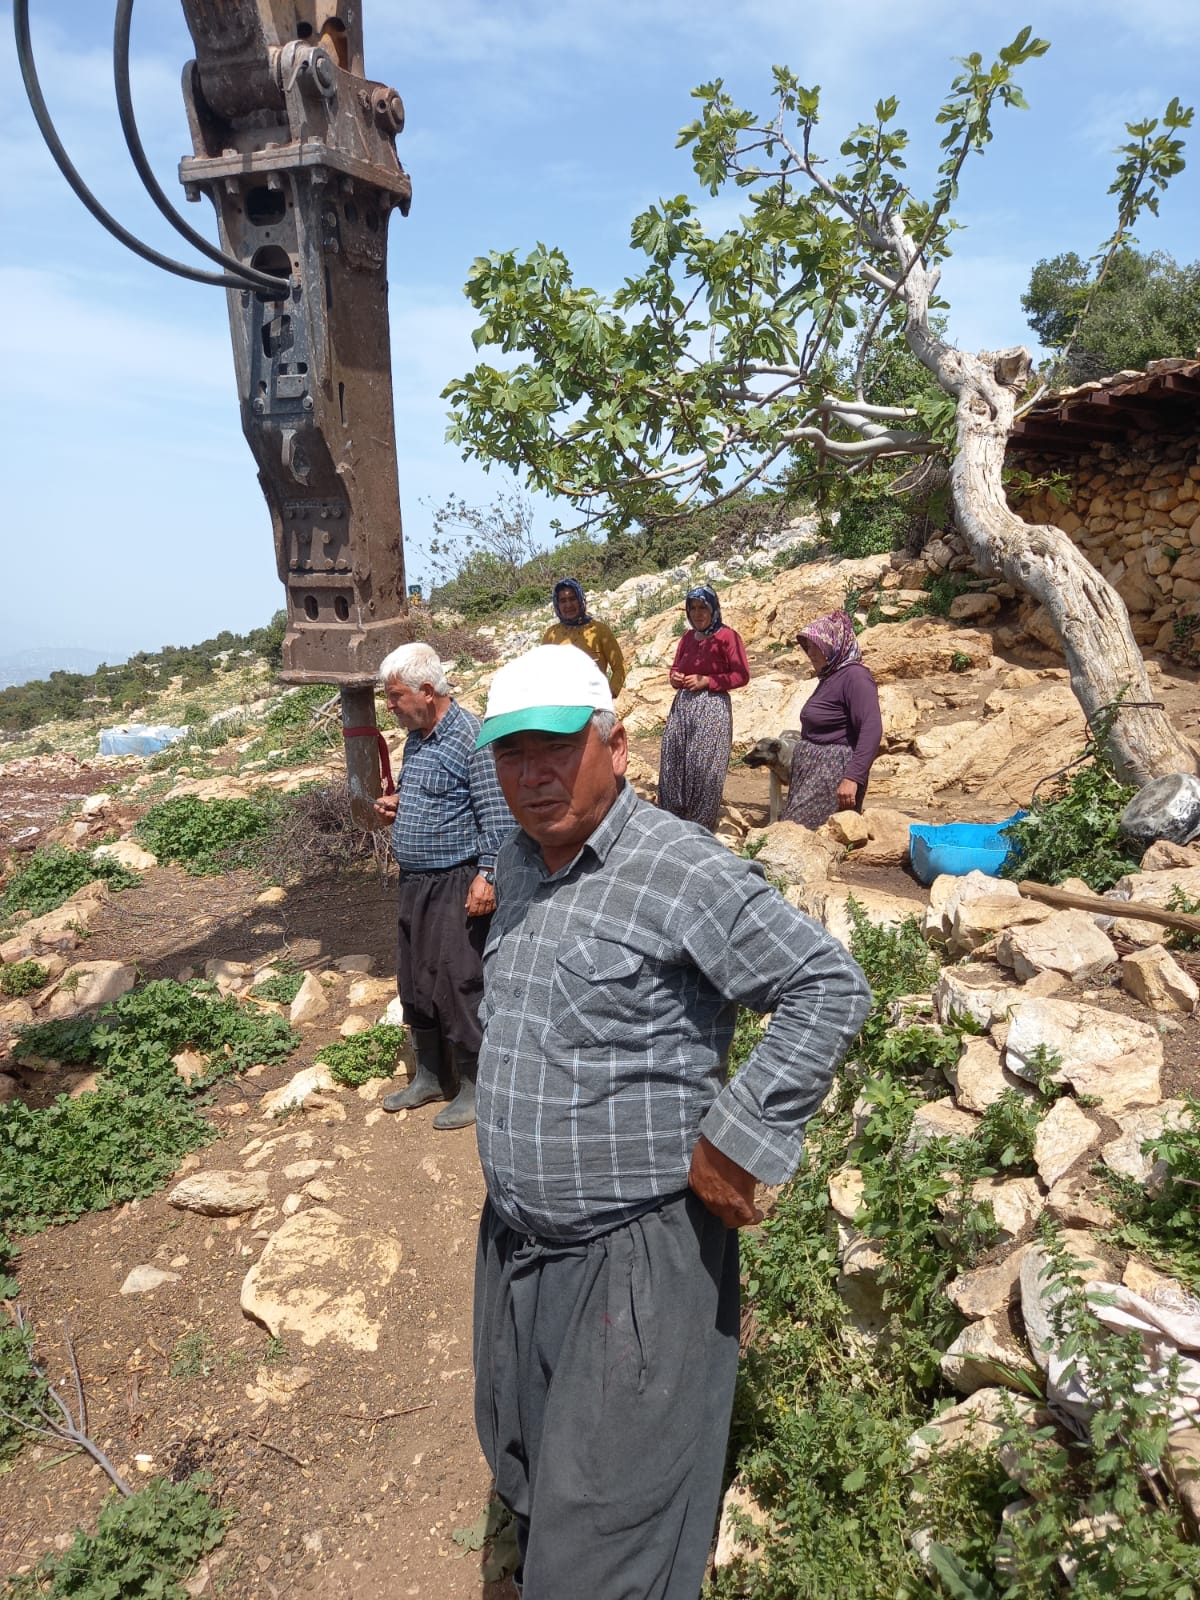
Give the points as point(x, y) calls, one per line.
point(604, 1376)
point(439, 954)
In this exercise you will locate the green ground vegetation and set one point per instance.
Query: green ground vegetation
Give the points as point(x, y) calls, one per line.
point(53, 874)
point(374, 1053)
point(126, 1137)
point(824, 1410)
point(19, 978)
point(208, 836)
point(144, 1547)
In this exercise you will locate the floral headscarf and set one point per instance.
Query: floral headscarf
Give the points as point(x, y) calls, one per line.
point(709, 597)
point(833, 635)
point(577, 589)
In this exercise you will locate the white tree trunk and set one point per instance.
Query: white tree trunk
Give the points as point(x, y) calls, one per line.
point(1087, 613)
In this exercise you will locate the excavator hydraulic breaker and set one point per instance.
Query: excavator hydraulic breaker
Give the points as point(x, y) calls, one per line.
point(296, 150)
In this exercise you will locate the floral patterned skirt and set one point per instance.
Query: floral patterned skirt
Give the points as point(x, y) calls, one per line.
point(694, 758)
point(817, 769)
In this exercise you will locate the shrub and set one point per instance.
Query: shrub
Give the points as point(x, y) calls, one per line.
point(144, 1546)
point(18, 978)
point(53, 874)
point(207, 836)
point(1076, 833)
point(374, 1053)
point(871, 526)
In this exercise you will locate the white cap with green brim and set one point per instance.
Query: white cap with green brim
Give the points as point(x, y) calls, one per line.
point(553, 689)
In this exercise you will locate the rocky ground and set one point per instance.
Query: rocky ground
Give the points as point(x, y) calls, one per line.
point(312, 1349)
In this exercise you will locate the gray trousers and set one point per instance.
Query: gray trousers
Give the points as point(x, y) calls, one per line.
point(604, 1376)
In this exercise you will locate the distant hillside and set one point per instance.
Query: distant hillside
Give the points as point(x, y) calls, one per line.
point(40, 662)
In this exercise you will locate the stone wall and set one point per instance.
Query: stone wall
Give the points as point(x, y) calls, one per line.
point(1134, 510)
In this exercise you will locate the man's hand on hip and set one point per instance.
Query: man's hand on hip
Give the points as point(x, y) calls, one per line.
point(725, 1188)
point(481, 897)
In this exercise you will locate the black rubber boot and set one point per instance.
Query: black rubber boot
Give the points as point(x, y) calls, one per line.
point(425, 1084)
point(460, 1113)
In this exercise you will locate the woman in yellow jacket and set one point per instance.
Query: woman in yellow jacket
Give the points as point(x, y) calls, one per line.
point(588, 634)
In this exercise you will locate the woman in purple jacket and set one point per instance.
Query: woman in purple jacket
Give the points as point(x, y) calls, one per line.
point(840, 726)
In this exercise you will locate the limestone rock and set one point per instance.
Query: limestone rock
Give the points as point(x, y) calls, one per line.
point(939, 1119)
point(355, 963)
point(830, 905)
point(310, 1003)
point(15, 1013)
point(190, 1065)
point(848, 828)
point(1164, 854)
point(846, 1192)
point(733, 1544)
point(1073, 1202)
point(95, 805)
point(1068, 942)
point(898, 712)
point(217, 1193)
point(320, 1280)
point(127, 853)
point(393, 1013)
point(1118, 1059)
point(307, 1082)
point(947, 892)
point(887, 841)
point(858, 1281)
point(1154, 977)
point(354, 1023)
point(1152, 888)
point(978, 920)
point(921, 647)
point(145, 1279)
point(1158, 1288)
point(230, 977)
point(274, 896)
point(88, 984)
point(1015, 1202)
point(986, 1291)
point(978, 1423)
point(974, 990)
point(278, 1386)
point(1124, 1154)
point(974, 607)
point(371, 992)
point(985, 1353)
point(979, 1078)
point(795, 854)
point(1064, 1135)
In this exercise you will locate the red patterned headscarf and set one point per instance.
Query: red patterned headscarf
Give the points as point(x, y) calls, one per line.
point(833, 635)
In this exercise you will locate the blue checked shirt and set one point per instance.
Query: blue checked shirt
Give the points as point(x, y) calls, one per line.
point(450, 806)
point(610, 994)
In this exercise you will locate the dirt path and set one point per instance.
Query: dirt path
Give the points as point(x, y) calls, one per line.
point(355, 1485)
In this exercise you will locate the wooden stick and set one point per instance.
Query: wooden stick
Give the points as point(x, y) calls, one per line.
point(1132, 910)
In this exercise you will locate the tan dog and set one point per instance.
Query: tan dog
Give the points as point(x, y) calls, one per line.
point(776, 756)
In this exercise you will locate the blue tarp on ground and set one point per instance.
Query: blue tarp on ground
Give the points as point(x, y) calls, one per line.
point(138, 739)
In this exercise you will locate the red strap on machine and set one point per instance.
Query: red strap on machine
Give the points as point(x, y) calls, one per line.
point(385, 759)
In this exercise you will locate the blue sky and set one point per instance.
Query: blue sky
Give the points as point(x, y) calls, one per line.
point(133, 515)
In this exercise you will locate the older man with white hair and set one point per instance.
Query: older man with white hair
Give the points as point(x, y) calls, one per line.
point(448, 818)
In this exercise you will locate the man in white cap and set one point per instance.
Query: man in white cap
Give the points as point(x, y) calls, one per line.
point(619, 1163)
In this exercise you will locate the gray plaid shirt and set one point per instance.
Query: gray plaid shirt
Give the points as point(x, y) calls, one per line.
point(610, 994)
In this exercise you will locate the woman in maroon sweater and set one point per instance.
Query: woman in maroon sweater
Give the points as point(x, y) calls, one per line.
point(840, 725)
point(694, 759)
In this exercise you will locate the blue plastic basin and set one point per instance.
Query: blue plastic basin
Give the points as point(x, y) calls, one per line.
point(960, 847)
